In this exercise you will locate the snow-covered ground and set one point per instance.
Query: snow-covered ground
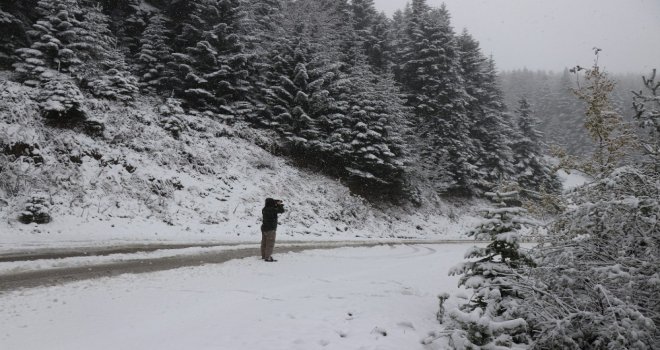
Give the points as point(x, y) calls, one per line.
point(573, 179)
point(383, 297)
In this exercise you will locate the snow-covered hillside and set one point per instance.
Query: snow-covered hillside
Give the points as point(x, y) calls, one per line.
point(154, 176)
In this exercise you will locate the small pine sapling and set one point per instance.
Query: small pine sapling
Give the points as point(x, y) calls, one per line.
point(37, 210)
point(647, 113)
point(492, 318)
point(116, 83)
point(172, 115)
point(61, 101)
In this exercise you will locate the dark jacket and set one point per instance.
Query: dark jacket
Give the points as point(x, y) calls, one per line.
point(270, 212)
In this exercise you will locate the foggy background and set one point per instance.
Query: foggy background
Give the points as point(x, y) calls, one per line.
point(551, 35)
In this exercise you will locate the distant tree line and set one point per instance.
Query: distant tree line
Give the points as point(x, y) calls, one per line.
point(560, 114)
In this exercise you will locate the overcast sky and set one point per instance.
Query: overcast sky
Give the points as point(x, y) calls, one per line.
point(553, 34)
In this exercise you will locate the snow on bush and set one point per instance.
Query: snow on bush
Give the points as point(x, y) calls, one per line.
point(61, 101)
point(22, 147)
point(172, 116)
point(600, 265)
point(593, 282)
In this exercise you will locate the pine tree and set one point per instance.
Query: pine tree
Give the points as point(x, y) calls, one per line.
point(472, 65)
point(194, 55)
point(397, 34)
point(172, 117)
point(492, 317)
point(106, 72)
point(115, 82)
point(565, 120)
point(533, 173)
point(77, 41)
point(287, 93)
point(61, 101)
point(302, 66)
point(52, 59)
point(429, 69)
point(262, 32)
point(153, 56)
point(489, 131)
point(13, 37)
point(647, 108)
point(379, 49)
point(372, 30)
point(129, 20)
point(209, 57)
point(332, 110)
point(378, 120)
point(262, 26)
point(55, 43)
point(364, 13)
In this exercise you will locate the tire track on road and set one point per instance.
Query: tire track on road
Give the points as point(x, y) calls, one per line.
point(55, 276)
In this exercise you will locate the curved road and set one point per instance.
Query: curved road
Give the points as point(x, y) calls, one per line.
point(53, 276)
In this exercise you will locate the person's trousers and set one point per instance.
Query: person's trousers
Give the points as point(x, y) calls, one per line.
point(267, 243)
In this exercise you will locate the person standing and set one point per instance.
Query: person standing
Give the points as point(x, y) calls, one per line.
point(269, 227)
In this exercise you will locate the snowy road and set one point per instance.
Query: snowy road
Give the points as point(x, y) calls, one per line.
point(382, 297)
point(53, 266)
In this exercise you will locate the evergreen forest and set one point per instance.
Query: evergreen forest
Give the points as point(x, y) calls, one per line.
point(392, 106)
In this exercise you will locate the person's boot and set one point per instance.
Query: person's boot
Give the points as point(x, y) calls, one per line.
point(270, 259)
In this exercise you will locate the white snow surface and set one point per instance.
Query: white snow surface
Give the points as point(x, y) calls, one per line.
point(383, 297)
point(573, 179)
